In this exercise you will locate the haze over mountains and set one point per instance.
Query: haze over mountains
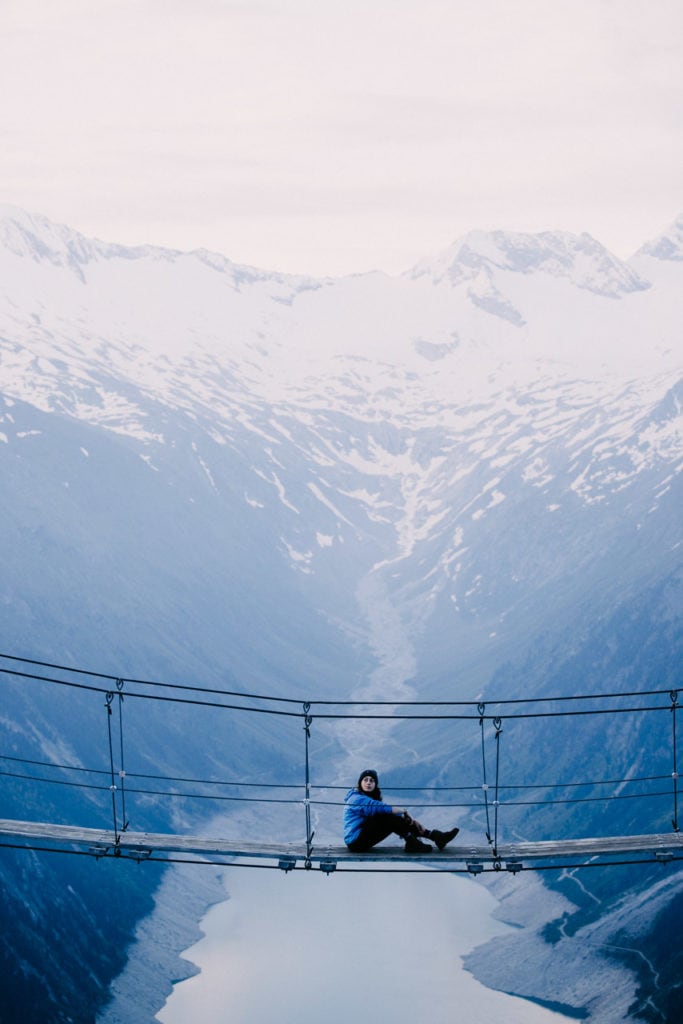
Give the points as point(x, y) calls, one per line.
point(462, 478)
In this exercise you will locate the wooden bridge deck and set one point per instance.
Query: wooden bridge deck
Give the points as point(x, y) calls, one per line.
point(102, 842)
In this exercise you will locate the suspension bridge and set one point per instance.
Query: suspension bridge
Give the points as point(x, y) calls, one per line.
point(115, 788)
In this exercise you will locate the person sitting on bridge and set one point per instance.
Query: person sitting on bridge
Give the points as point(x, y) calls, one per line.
point(368, 820)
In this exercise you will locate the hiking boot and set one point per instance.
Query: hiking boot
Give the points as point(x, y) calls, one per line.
point(441, 839)
point(415, 845)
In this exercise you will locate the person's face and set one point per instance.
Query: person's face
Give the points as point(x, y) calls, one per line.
point(368, 784)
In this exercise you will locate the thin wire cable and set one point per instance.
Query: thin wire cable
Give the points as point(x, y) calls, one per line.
point(327, 716)
point(122, 768)
point(496, 805)
point(365, 717)
point(157, 792)
point(485, 786)
point(674, 705)
point(152, 696)
point(308, 721)
point(110, 697)
point(170, 778)
point(294, 801)
point(55, 782)
point(140, 682)
point(473, 787)
point(322, 702)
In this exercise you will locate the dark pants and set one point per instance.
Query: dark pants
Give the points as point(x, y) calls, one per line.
point(376, 828)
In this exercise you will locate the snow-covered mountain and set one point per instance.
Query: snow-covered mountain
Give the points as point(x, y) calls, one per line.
point(503, 389)
point(462, 479)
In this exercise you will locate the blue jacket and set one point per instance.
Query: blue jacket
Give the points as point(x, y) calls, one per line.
point(358, 808)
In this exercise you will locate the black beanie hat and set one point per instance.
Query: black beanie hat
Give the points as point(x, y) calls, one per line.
point(371, 772)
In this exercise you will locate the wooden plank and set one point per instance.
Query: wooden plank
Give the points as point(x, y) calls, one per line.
point(145, 843)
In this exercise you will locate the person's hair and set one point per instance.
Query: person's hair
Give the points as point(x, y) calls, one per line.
point(376, 793)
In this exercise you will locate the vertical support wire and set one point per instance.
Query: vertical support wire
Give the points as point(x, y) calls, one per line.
point(122, 768)
point(107, 703)
point(674, 775)
point(496, 803)
point(481, 708)
point(308, 719)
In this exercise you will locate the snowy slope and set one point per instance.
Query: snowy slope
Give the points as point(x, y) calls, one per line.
point(401, 423)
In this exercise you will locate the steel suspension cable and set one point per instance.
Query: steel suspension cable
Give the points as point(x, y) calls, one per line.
point(498, 727)
point(674, 774)
point(107, 704)
point(122, 769)
point(220, 798)
point(329, 787)
point(308, 721)
point(328, 716)
point(485, 786)
point(321, 702)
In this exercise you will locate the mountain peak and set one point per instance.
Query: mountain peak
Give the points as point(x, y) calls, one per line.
point(579, 258)
point(668, 246)
point(36, 237)
point(33, 236)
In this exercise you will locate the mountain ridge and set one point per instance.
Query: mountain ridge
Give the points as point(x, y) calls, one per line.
point(34, 234)
point(560, 254)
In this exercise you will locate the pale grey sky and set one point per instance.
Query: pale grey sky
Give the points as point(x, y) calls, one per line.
point(333, 136)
